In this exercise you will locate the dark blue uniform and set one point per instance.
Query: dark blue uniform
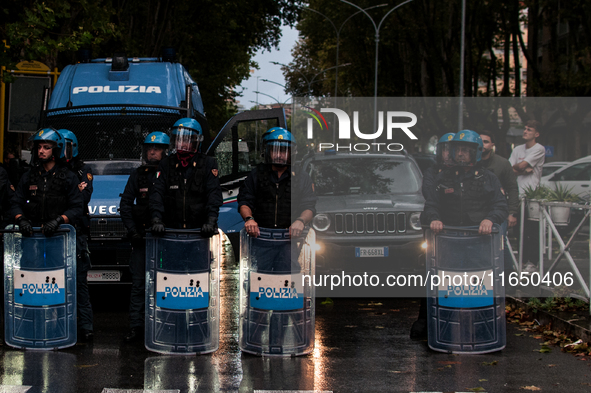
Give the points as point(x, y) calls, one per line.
point(71, 204)
point(184, 197)
point(136, 217)
point(275, 203)
point(85, 316)
point(463, 198)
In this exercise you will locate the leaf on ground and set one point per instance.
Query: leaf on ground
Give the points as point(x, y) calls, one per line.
point(395, 310)
point(544, 349)
point(519, 334)
point(379, 327)
point(478, 389)
point(328, 301)
point(482, 380)
point(351, 326)
point(532, 387)
point(395, 372)
point(448, 362)
point(374, 304)
point(551, 365)
point(86, 365)
point(493, 363)
point(537, 337)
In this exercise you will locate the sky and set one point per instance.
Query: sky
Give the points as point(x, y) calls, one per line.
point(270, 72)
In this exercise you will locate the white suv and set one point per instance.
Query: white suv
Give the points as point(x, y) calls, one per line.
point(575, 175)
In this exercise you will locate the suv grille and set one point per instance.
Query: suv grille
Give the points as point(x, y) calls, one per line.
point(370, 223)
point(107, 228)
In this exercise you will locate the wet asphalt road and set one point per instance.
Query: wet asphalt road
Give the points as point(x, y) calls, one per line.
point(362, 345)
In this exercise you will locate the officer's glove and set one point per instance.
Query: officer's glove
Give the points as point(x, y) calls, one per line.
point(210, 228)
point(157, 227)
point(133, 234)
point(24, 226)
point(50, 227)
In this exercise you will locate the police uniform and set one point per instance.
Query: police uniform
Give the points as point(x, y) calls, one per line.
point(83, 173)
point(186, 197)
point(275, 202)
point(464, 198)
point(136, 217)
point(44, 195)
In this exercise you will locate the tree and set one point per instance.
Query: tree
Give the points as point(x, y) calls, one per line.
point(214, 40)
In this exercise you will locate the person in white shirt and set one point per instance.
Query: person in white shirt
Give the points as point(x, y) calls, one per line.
point(527, 161)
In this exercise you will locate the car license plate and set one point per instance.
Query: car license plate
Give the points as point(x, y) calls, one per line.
point(368, 252)
point(103, 275)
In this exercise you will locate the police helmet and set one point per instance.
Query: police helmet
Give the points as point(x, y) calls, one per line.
point(443, 151)
point(51, 136)
point(71, 144)
point(466, 148)
point(278, 146)
point(158, 140)
point(187, 134)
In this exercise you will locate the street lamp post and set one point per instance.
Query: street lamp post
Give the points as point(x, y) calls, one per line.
point(279, 102)
point(377, 39)
point(308, 81)
point(338, 31)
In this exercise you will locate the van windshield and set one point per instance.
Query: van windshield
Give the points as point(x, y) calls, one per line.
point(113, 167)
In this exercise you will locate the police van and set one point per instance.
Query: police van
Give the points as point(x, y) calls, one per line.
point(111, 104)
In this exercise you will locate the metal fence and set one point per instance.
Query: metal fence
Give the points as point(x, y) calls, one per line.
point(112, 131)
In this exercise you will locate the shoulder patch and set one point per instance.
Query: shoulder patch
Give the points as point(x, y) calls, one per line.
point(157, 174)
point(215, 172)
point(89, 176)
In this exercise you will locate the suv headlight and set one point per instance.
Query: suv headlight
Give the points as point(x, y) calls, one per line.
point(321, 222)
point(415, 221)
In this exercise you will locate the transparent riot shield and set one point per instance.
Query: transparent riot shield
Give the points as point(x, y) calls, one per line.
point(182, 293)
point(40, 289)
point(276, 298)
point(466, 298)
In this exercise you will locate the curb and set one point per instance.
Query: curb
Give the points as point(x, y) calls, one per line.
point(544, 318)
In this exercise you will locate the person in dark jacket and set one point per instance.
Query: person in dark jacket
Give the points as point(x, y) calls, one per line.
point(465, 194)
point(15, 167)
point(84, 174)
point(187, 192)
point(135, 215)
point(275, 196)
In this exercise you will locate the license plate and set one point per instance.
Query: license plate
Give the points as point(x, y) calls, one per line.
point(104, 275)
point(371, 252)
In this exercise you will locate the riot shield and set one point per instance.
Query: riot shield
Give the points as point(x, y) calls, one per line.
point(276, 298)
point(40, 289)
point(182, 293)
point(465, 295)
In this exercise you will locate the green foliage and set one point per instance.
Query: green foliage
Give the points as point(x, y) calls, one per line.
point(562, 193)
point(539, 192)
point(214, 39)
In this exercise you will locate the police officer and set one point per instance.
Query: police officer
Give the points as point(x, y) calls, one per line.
point(187, 192)
point(84, 174)
point(444, 160)
point(464, 194)
point(136, 218)
point(265, 198)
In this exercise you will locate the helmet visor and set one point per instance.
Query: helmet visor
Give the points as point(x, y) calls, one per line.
point(278, 153)
point(464, 153)
point(185, 140)
point(443, 154)
point(153, 153)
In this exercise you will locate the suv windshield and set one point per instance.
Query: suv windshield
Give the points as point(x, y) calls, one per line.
point(112, 167)
point(364, 175)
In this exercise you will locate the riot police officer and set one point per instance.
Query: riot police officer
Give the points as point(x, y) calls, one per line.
point(462, 194)
point(84, 174)
point(47, 195)
point(136, 218)
point(266, 199)
point(187, 192)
